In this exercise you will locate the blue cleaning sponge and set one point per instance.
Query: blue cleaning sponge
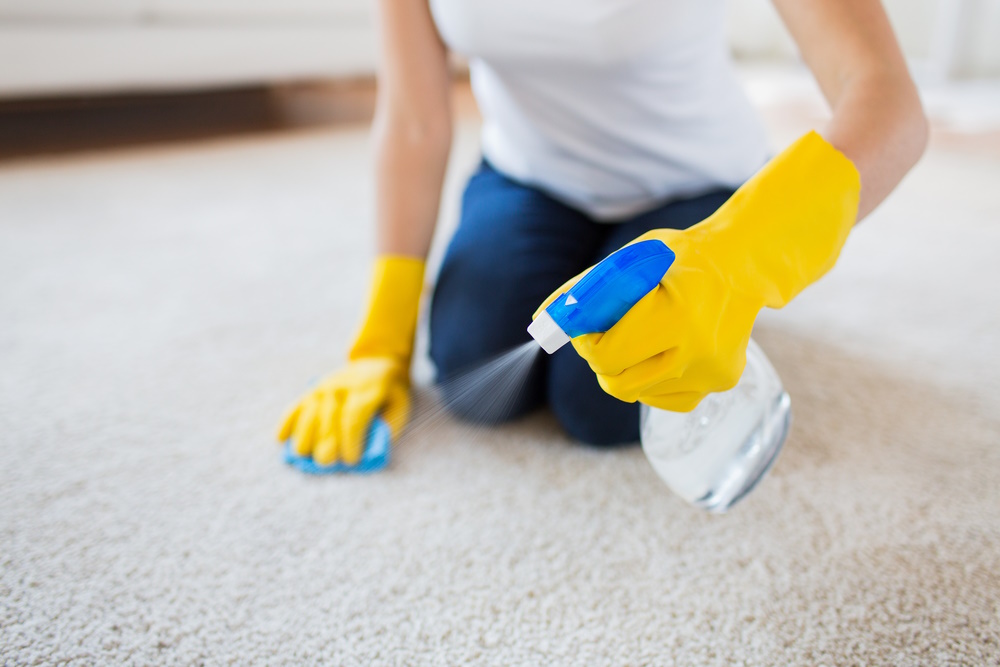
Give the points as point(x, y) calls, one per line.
point(374, 458)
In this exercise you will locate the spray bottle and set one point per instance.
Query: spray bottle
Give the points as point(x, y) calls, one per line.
point(714, 455)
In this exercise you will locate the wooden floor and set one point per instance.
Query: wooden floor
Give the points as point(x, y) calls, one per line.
point(31, 128)
point(34, 128)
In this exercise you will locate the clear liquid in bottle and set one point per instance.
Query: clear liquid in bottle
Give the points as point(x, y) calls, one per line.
point(714, 455)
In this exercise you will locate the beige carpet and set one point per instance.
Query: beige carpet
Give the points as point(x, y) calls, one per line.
point(159, 308)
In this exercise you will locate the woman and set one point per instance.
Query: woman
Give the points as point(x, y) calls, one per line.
point(606, 121)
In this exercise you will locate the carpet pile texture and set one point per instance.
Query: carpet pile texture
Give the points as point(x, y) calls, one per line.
point(159, 308)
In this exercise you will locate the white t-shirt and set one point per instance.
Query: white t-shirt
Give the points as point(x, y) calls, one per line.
point(612, 106)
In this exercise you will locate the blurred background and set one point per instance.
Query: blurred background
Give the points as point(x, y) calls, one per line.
point(185, 227)
point(76, 75)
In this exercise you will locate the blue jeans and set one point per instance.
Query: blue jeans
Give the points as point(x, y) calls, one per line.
point(513, 247)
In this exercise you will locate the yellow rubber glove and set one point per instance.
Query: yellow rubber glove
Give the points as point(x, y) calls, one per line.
point(331, 421)
point(776, 235)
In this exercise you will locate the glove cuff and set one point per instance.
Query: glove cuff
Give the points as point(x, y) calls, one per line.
point(393, 303)
point(792, 217)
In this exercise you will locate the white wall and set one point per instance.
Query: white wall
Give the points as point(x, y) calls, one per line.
point(942, 38)
point(54, 47)
point(59, 47)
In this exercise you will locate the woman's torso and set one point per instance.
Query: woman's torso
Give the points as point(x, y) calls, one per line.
point(612, 106)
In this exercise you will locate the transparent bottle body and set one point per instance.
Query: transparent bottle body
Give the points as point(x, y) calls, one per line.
point(714, 455)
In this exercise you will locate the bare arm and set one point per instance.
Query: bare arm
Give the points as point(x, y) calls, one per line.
point(878, 121)
point(412, 127)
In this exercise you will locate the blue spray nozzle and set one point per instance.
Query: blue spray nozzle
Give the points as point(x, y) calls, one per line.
point(603, 295)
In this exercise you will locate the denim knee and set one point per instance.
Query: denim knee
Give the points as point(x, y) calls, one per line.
point(468, 332)
point(586, 412)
